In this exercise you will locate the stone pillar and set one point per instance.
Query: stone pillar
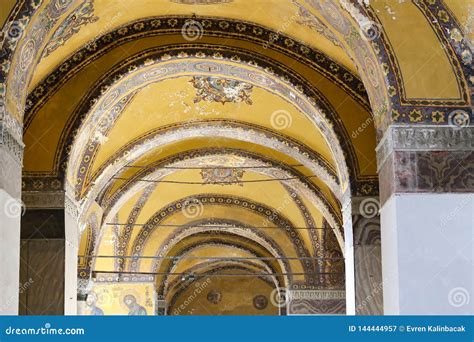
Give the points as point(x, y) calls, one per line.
point(367, 256)
point(427, 198)
point(316, 302)
point(11, 209)
point(160, 307)
point(72, 248)
point(349, 256)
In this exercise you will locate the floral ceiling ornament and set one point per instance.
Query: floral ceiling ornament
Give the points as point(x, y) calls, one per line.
point(222, 175)
point(82, 15)
point(217, 89)
point(308, 19)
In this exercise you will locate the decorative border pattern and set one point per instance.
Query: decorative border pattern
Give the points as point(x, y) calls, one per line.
point(317, 307)
point(426, 159)
point(213, 27)
point(10, 144)
point(424, 138)
point(127, 230)
point(82, 15)
point(22, 56)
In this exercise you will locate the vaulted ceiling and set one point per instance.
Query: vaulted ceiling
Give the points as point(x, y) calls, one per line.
point(186, 129)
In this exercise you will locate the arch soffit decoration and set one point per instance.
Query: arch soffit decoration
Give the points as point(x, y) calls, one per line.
point(125, 235)
point(364, 185)
point(215, 27)
point(239, 229)
point(267, 213)
point(210, 156)
point(253, 237)
point(264, 265)
point(347, 147)
point(113, 101)
point(30, 22)
point(301, 187)
point(156, 140)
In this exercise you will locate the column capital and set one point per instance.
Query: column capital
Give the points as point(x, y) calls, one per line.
point(424, 138)
point(425, 158)
point(71, 207)
point(10, 143)
point(43, 199)
point(11, 157)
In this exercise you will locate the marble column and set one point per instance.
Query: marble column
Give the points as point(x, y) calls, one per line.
point(11, 209)
point(349, 256)
point(427, 206)
point(71, 214)
point(367, 256)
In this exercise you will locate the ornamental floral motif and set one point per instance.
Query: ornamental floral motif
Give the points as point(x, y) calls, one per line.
point(222, 176)
point(415, 116)
point(82, 15)
point(395, 115)
point(437, 116)
point(443, 15)
point(391, 91)
point(308, 19)
point(215, 89)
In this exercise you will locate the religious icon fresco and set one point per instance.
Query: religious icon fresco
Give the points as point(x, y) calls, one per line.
point(132, 299)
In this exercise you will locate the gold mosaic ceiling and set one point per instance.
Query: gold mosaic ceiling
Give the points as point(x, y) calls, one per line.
point(163, 117)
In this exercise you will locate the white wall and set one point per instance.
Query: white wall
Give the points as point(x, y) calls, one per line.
point(427, 254)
